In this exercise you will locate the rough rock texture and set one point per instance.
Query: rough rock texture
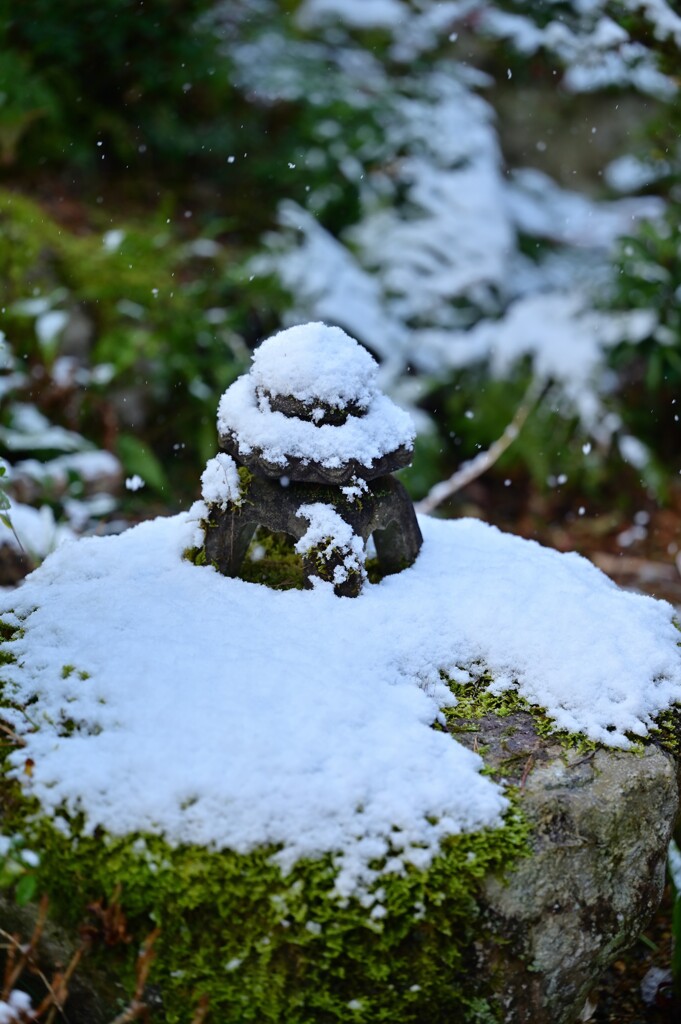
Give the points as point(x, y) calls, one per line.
point(383, 511)
point(601, 827)
point(549, 927)
point(93, 994)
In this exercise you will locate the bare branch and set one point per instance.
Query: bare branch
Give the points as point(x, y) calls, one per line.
point(474, 468)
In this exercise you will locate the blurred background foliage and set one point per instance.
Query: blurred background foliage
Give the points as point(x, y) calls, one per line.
point(483, 193)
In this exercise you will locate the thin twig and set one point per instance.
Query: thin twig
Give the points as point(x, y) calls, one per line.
point(25, 951)
point(58, 991)
point(16, 740)
point(475, 467)
point(137, 1006)
point(132, 1012)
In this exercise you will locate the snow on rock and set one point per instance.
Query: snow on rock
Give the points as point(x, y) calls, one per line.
point(314, 362)
point(330, 534)
point(223, 713)
point(220, 482)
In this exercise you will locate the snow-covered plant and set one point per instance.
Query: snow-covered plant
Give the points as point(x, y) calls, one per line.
point(47, 465)
point(413, 233)
point(599, 43)
point(649, 264)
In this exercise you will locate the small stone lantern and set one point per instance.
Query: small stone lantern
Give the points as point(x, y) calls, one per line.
point(308, 443)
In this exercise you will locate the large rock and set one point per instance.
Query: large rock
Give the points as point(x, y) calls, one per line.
point(547, 926)
point(601, 823)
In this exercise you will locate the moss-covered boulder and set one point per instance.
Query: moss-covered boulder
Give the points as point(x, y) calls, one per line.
point(316, 809)
point(600, 824)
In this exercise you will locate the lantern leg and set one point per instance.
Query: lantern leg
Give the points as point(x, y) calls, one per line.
point(397, 536)
point(228, 535)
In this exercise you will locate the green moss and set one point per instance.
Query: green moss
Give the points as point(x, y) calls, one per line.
point(261, 946)
point(273, 561)
point(197, 556)
point(667, 730)
point(8, 632)
point(264, 947)
point(245, 477)
point(474, 700)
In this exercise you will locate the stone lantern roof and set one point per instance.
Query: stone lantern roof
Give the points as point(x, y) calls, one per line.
point(311, 410)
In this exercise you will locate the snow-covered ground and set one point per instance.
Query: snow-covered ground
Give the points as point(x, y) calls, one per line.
point(172, 700)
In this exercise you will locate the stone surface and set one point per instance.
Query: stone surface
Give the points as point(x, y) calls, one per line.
point(383, 510)
point(305, 470)
point(306, 420)
point(315, 411)
point(552, 924)
point(601, 823)
point(94, 994)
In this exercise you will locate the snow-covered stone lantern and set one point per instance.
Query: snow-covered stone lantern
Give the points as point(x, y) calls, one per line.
point(308, 443)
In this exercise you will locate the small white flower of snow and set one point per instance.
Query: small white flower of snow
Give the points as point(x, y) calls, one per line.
point(220, 484)
point(134, 482)
point(330, 534)
point(355, 488)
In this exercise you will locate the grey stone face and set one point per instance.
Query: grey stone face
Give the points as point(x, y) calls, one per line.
point(384, 511)
point(601, 823)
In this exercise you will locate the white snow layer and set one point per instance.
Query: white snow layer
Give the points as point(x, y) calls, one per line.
point(224, 713)
point(329, 529)
point(383, 429)
point(314, 362)
point(220, 481)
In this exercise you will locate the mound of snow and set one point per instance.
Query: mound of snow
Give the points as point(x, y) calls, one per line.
point(219, 712)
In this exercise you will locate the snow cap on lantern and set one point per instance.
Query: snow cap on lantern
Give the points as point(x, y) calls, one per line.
point(310, 409)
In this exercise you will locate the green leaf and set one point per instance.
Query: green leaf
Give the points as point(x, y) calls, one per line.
point(138, 458)
point(26, 889)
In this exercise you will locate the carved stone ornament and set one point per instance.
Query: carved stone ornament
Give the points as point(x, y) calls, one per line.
point(315, 440)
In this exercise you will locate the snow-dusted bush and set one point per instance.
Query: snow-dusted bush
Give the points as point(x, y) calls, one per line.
point(413, 233)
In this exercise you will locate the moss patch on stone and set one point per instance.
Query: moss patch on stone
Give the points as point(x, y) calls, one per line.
point(474, 701)
point(257, 945)
point(260, 946)
point(272, 561)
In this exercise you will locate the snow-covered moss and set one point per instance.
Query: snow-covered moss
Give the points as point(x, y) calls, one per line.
point(280, 796)
point(261, 946)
